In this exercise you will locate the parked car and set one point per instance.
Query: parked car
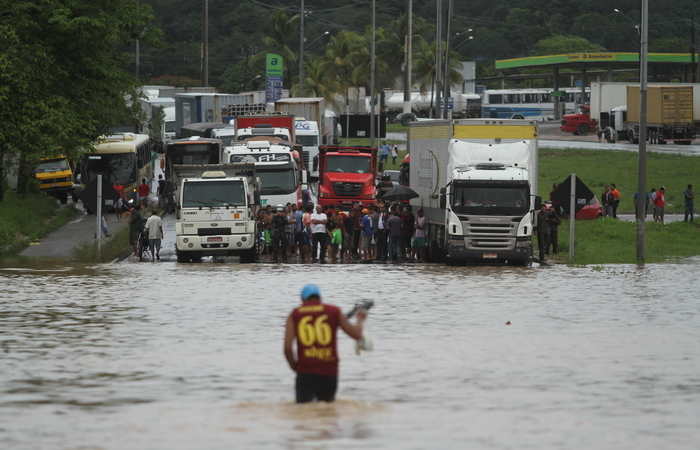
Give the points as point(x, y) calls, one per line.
point(593, 210)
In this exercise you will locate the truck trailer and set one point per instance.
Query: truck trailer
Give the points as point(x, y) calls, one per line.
point(477, 186)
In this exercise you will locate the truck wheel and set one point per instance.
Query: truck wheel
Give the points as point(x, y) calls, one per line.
point(406, 119)
point(632, 137)
point(582, 129)
point(182, 257)
point(74, 197)
point(248, 256)
point(63, 197)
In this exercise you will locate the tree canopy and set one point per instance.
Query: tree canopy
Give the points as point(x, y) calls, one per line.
point(62, 77)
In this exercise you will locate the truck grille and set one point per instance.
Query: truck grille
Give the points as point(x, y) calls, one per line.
point(347, 189)
point(213, 231)
point(490, 236)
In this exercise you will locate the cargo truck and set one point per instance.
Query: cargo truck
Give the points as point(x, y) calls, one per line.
point(278, 125)
point(282, 180)
point(346, 175)
point(477, 185)
point(673, 112)
point(216, 212)
point(55, 177)
point(309, 136)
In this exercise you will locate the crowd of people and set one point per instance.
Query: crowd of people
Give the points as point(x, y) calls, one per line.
point(376, 232)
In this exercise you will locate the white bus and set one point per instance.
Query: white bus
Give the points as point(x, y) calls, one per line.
point(124, 157)
point(535, 104)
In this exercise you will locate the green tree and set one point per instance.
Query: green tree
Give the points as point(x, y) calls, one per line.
point(343, 54)
point(282, 30)
point(669, 45)
point(318, 82)
point(61, 77)
point(558, 44)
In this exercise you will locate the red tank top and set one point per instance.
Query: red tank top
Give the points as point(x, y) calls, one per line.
point(316, 324)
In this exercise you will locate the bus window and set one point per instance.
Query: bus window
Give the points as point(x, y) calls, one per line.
point(495, 99)
point(545, 98)
point(512, 98)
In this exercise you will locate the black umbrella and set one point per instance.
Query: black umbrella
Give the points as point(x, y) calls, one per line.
point(400, 193)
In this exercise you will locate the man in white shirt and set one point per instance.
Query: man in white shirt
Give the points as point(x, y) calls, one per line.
point(154, 225)
point(318, 233)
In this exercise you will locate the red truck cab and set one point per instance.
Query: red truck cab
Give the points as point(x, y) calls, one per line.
point(579, 123)
point(347, 175)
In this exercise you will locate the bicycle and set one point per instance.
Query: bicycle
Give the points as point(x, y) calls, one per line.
point(143, 246)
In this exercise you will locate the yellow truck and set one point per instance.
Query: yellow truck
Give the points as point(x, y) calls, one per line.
point(55, 177)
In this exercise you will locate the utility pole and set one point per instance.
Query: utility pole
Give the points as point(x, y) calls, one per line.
point(205, 42)
point(446, 94)
point(373, 68)
point(300, 92)
point(438, 58)
point(408, 58)
point(642, 169)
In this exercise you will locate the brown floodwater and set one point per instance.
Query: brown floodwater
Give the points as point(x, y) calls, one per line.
point(173, 356)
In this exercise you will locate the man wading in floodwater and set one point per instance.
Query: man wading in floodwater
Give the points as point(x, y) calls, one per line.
point(314, 326)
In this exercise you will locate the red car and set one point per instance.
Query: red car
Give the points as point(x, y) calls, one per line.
point(593, 210)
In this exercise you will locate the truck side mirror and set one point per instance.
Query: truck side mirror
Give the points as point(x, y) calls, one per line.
point(256, 197)
point(538, 202)
point(443, 198)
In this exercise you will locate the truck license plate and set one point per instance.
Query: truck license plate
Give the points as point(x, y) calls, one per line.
point(490, 256)
point(214, 239)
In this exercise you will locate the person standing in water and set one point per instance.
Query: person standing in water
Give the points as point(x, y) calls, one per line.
point(313, 325)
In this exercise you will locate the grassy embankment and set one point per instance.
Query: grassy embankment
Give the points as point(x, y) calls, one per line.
point(613, 241)
point(115, 247)
point(26, 220)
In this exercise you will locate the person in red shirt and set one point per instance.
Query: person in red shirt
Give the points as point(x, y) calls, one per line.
point(143, 193)
point(659, 203)
point(121, 203)
point(313, 325)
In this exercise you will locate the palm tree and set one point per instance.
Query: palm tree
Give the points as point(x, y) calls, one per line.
point(283, 30)
point(318, 82)
point(424, 65)
point(342, 56)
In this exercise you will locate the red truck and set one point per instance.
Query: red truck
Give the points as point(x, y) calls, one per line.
point(278, 125)
point(579, 123)
point(346, 175)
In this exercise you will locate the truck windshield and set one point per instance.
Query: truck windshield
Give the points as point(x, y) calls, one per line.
point(199, 153)
point(275, 182)
point(490, 199)
point(213, 194)
point(116, 166)
point(348, 164)
point(52, 165)
point(307, 141)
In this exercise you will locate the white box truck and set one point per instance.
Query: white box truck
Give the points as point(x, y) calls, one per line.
point(477, 186)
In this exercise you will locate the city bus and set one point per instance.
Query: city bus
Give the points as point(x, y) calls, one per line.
point(537, 104)
point(125, 157)
point(194, 150)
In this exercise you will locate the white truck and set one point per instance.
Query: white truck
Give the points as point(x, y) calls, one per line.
point(309, 136)
point(477, 186)
point(282, 180)
point(216, 212)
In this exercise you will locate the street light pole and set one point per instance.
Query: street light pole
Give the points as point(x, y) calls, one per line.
point(300, 90)
point(373, 67)
point(642, 169)
point(446, 94)
point(438, 58)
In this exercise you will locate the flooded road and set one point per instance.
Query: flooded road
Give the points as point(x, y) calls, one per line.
point(165, 355)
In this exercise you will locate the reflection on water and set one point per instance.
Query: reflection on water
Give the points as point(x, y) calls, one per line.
point(190, 356)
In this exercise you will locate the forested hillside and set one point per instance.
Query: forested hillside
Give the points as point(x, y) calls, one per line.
point(501, 29)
